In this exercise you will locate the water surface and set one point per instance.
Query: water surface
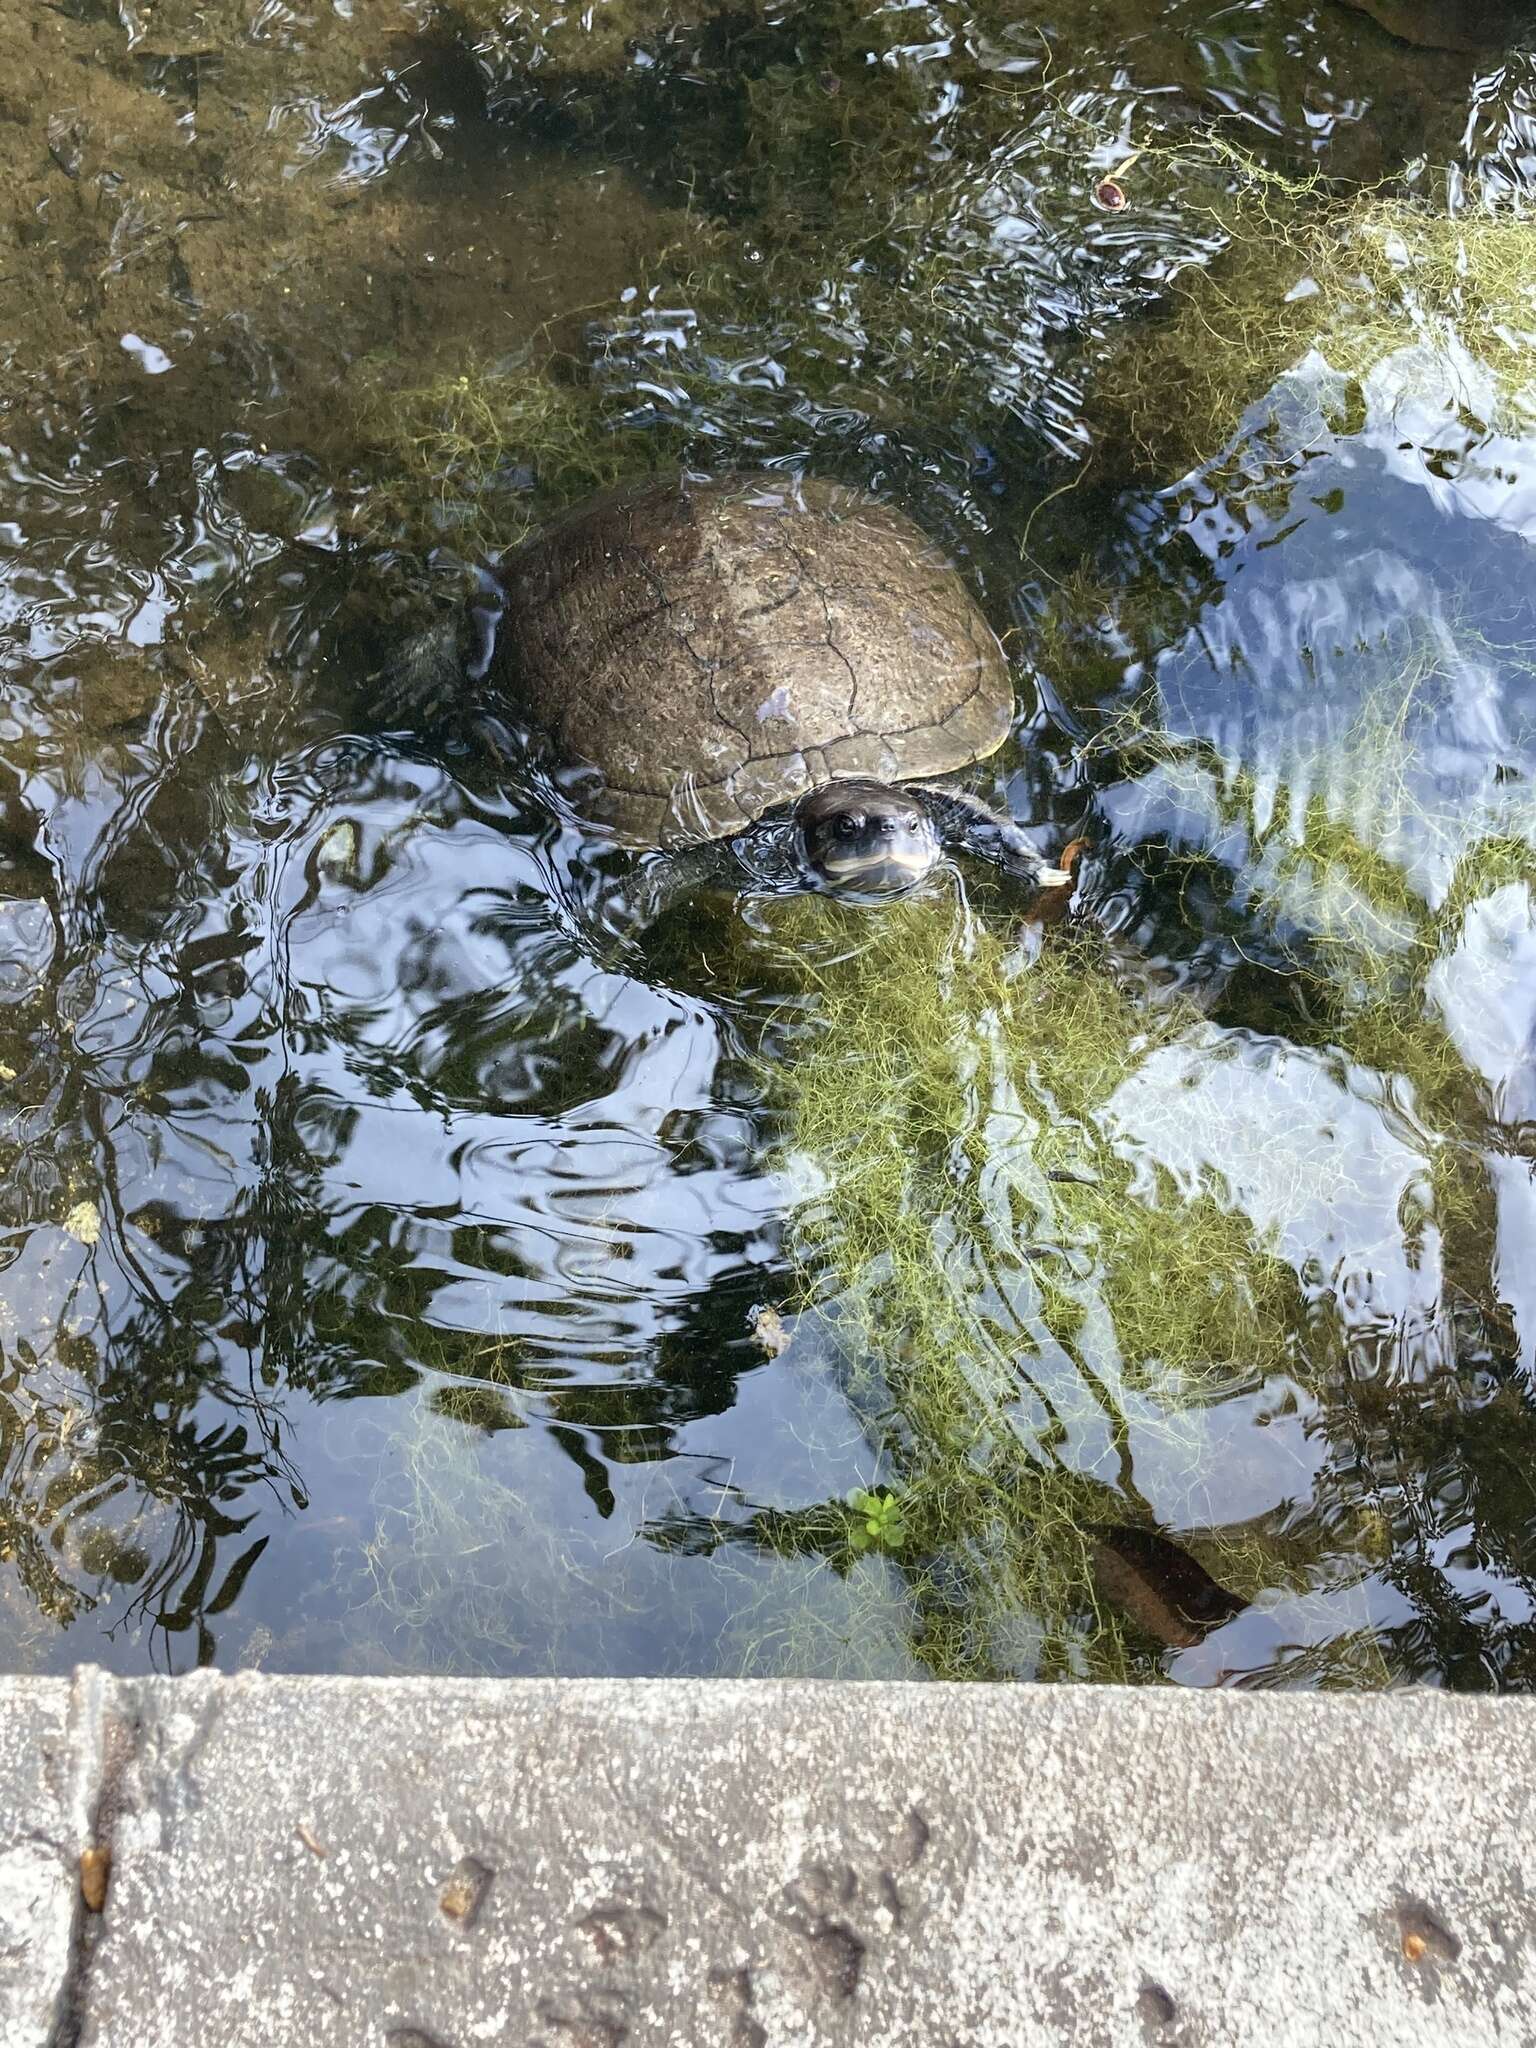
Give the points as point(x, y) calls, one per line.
point(380, 1241)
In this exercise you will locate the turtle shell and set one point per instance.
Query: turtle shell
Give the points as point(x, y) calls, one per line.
point(714, 649)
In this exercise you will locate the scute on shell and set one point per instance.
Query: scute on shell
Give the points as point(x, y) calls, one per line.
point(714, 649)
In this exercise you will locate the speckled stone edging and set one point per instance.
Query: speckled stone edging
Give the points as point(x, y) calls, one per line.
point(329, 1862)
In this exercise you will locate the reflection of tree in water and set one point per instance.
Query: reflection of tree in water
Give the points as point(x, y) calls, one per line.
point(138, 1432)
point(191, 1120)
point(1433, 1469)
point(133, 1457)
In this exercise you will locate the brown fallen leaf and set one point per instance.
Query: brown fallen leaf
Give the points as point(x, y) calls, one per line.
point(1414, 1947)
point(1157, 1585)
point(464, 1889)
point(306, 1836)
point(1052, 904)
point(95, 1869)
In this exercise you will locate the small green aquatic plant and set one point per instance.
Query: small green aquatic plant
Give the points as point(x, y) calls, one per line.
point(877, 1522)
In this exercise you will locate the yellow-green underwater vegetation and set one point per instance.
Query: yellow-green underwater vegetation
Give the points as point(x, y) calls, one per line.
point(1325, 305)
point(1015, 1313)
point(1029, 1295)
point(403, 1268)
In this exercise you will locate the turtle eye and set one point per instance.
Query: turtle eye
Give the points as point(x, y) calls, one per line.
point(848, 825)
point(911, 821)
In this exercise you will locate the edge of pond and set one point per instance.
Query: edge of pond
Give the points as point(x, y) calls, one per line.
point(607, 1863)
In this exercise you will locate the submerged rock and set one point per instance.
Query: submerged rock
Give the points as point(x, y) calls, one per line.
point(1450, 24)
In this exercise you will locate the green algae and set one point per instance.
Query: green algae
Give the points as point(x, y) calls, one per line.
point(796, 1614)
point(1363, 283)
point(469, 1565)
point(1012, 1300)
point(560, 42)
point(1350, 846)
point(438, 1581)
point(483, 457)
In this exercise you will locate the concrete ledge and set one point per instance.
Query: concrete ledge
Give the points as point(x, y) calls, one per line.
point(41, 1822)
point(432, 1864)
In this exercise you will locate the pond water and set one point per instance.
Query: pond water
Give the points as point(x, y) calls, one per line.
point(403, 1269)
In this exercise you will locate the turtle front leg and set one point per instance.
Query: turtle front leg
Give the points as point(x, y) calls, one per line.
point(661, 880)
point(974, 827)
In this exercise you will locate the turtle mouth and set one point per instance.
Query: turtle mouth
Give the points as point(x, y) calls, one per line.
point(879, 870)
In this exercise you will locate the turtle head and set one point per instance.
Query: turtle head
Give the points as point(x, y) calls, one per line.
point(867, 838)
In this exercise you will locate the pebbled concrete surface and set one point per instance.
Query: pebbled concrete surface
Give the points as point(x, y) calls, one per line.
point(299, 1863)
point(39, 1827)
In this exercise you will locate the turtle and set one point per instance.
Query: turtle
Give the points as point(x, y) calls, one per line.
point(750, 674)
